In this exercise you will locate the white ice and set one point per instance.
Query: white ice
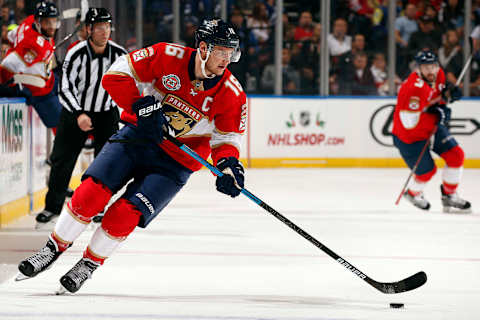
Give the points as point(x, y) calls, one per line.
point(208, 256)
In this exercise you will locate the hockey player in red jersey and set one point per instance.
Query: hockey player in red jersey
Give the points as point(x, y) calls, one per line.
point(33, 54)
point(421, 112)
point(191, 94)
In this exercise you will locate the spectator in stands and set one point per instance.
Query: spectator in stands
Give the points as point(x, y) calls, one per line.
point(4, 48)
point(258, 23)
point(405, 26)
point(380, 75)
point(452, 16)
point(290, 77)
point(306, 59)
point(345, 61)
point(360, 19)
point(190, 23)
point(360, 82)
point(425, 38)
point(304, 30)
point(338, 41)
point(19, 12)
point(6, 15)
point(450, 56)
point(288, 29)
point(249, 48)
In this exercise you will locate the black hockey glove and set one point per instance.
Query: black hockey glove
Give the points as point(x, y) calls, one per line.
point(151, 121)
point(451, 93)
point(15, 91)
point(231, 182)
point(442, 112)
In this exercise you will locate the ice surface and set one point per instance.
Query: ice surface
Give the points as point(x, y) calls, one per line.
point(208, 256)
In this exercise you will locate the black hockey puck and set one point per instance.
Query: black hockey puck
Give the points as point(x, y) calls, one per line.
point(396, 305)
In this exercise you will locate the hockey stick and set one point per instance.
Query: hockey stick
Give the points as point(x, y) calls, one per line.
point(406, 284)
point(459, 79)
point(83, 13)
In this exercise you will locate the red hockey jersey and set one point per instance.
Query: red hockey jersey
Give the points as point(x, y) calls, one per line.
point(208, 120)
point(32, 54)
point(410, 121)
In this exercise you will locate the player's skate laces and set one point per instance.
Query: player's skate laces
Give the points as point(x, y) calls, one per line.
point(39, 261)
point(418, 200)
point(74, 279)
point(451, 201)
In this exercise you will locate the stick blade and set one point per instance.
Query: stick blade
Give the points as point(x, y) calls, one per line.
point(413, 282)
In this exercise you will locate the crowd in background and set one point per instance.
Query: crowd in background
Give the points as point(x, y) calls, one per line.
point(357, 42)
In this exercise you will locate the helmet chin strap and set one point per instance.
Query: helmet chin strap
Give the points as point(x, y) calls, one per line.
point(203, 62)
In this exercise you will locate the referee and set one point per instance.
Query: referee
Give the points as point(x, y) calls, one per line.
point(87, 108)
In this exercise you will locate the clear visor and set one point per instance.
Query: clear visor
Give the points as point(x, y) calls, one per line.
point(230, 55)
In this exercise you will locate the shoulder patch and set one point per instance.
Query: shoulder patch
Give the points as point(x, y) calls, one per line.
point(142, 54)
point(40, 41)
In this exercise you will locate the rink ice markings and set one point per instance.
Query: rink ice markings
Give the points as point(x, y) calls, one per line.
point(50, 315)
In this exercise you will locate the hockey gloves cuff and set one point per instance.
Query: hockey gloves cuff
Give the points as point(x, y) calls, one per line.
point(231, 182)
point(442, 112)
point(151, 121)
point(451, 93)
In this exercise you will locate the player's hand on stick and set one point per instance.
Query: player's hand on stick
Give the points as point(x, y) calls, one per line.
point(451, 93)
point(442, 112)
point(231, 183)
point(150, 119)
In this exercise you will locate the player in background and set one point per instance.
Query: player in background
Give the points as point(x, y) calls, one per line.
point(81, 33)
point(420, 112)
point(202, 105)
point(33, 54)
point(87, 108)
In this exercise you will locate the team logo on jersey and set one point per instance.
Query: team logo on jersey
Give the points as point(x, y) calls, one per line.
point(182, 115)
point(414, 103)
point(142, 54)
point(29, 56)
point(171, 82)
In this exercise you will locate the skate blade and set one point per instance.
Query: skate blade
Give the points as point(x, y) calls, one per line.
point(456, 210)
point(61, 291)
point(20, 277)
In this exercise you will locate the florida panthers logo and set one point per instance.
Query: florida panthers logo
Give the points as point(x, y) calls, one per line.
point(171, 82)
point(182, 115)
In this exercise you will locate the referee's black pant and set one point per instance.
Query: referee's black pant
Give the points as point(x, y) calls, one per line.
point(67, 146)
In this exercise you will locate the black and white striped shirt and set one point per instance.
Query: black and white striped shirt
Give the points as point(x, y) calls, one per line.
point(81, 89)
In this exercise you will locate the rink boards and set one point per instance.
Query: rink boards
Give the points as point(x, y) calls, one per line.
point(281, 132)
point(340, 132)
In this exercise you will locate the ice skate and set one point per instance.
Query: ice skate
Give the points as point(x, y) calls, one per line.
point(45, 220)
point(418, 201)
point(452, 203)
point(73, 280)
point(38, 262)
